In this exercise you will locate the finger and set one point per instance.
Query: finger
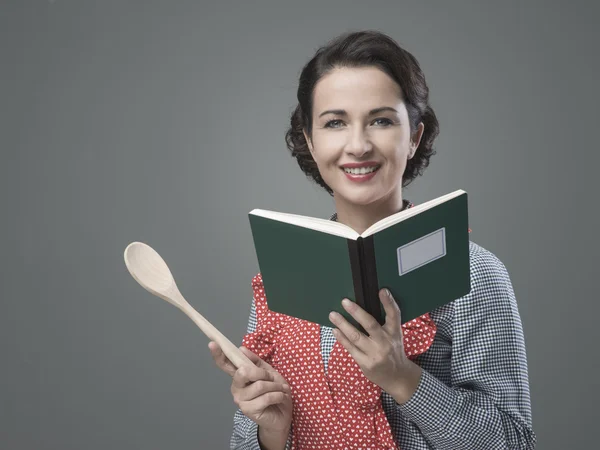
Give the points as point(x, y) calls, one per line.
point(350, 335)
point(393, 317)
point(257, 389)
point(366, 320)
point(248, 374)
point(356, 353)
point(258, 405)
point(220, 359)
point(256, 359)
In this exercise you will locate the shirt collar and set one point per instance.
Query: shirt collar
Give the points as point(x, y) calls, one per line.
point(405, 204)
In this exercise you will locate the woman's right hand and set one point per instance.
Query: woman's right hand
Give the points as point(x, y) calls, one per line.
point(260, 392)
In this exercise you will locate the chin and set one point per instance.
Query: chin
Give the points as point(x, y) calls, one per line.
point(360, 198)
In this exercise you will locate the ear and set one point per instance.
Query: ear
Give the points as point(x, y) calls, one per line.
point(415, 140)
point(308, 141)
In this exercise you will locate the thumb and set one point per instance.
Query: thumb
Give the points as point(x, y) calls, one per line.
point(255, 359)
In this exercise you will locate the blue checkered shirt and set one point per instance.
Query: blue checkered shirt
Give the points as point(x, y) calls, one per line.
point(474, 389)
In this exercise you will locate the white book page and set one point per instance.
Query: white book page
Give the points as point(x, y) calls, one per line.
point(403, 215)
point(313, 223)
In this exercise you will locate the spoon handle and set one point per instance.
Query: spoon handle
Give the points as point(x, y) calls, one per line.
point(231, 351)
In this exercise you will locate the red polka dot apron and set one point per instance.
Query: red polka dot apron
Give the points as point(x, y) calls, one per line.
point(335, 410)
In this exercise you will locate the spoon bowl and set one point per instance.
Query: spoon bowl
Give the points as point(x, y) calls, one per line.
point(151, 271)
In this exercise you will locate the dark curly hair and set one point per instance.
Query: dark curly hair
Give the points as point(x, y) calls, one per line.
point(361, 49)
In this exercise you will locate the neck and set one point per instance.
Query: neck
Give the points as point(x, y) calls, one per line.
point(361, 217)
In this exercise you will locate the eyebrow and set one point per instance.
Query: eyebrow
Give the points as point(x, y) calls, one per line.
point(341, 112)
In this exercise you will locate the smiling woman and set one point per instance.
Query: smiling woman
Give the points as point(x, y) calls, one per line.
point(454, 378)
point(361, 139)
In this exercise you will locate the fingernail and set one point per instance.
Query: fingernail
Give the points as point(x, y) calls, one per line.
point(346, 303)
point(388, 293)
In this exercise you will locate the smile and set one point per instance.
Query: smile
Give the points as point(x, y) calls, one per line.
point(361, 174)
point(360, 170)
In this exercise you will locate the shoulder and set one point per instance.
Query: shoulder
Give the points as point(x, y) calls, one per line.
point(257, 282)
point(485, 265)
point(260, 306)
point(491, 287)
point(258, 289)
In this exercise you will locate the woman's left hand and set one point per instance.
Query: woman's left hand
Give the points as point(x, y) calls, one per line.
point(381, 354)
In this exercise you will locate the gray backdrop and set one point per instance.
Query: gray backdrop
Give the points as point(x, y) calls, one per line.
point(163, 121)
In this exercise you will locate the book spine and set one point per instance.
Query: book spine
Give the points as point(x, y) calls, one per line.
point(354, 251)
point(369, 279)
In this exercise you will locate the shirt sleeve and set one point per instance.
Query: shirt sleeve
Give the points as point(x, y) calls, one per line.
point(245, 431)
point(487, 405)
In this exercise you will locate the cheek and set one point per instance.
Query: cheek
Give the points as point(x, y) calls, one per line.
point(391, 140)
point(395, 154)
point(327, 148)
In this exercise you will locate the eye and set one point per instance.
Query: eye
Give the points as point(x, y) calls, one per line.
point(382, 121)
point(336, 123)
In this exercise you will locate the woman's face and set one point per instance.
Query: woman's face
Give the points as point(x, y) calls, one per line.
point(361, 138)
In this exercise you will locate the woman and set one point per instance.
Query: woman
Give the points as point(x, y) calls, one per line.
point(455, 378)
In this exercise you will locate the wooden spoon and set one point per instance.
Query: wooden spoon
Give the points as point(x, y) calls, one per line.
point(148, 268)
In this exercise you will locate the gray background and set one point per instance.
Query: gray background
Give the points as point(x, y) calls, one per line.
point(163, 122)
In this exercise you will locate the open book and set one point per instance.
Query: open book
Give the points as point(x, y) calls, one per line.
point(309, 265)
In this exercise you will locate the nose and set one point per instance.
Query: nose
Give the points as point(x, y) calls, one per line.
point(358, 143)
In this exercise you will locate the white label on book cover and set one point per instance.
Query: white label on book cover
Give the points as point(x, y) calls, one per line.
point(421, 251)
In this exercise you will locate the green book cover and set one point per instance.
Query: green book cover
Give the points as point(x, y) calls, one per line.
point(309, 265)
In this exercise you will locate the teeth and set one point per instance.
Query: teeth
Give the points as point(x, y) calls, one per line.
point(361, 170)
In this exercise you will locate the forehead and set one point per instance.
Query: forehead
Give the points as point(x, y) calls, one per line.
point(355, 89)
